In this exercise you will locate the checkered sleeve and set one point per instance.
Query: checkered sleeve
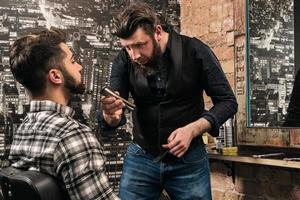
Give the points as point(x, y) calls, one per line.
point(80, 162)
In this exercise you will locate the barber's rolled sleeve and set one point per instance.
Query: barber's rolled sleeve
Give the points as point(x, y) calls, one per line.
point(217, 88)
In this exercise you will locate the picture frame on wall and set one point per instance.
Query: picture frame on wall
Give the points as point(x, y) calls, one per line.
point(272, 64)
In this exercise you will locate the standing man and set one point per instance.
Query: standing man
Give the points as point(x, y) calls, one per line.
point(166, 74)
point(49, 139)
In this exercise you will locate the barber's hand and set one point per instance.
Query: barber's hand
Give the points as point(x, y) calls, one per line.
point(179, 141)
point(112, 109)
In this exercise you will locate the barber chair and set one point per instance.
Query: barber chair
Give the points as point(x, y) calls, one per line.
point(19, 184)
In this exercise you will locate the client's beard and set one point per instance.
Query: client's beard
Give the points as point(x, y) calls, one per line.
point(71, 85)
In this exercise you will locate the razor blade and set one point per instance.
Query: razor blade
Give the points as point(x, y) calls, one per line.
point(107, 92)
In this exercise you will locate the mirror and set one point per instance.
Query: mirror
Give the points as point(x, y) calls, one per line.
point(272, 64)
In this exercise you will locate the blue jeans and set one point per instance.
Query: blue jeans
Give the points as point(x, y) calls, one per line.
point(185, 178)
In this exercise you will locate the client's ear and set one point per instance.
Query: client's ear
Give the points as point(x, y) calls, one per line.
point(55, 76)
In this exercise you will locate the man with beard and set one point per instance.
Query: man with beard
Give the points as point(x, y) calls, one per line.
point(166, 74)
point(49, 139)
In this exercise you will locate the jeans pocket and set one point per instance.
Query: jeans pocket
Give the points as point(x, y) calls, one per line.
point(134, 149)
point(195, 155)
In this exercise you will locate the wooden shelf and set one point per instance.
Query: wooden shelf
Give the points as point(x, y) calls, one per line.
point(257, 161)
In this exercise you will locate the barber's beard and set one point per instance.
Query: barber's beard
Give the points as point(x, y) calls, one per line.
point(153, 63)
point(70, 84)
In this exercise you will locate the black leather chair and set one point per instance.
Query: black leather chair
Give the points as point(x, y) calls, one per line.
point(19, 184)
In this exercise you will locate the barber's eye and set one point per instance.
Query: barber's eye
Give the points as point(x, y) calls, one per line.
point(140, 46)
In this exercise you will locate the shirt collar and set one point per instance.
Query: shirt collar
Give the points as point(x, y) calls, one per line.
point(167, 52)
point(47, 105)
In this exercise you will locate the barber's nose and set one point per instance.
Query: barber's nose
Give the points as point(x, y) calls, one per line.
point(135, 54)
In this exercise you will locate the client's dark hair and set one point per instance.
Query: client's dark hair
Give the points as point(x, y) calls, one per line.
point(32, 56)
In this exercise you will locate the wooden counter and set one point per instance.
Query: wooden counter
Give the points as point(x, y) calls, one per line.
point(258, 161)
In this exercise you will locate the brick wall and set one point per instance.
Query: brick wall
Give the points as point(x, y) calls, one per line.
point(221, 25)
point(254, 182)
point(213, 23)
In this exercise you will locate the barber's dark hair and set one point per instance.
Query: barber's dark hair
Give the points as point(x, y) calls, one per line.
point(32, 56)
point(135, 16)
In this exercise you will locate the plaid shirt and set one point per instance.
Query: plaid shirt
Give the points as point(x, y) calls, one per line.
point(50, 140)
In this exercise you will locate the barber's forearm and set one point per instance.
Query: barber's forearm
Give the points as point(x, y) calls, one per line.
point(200, 126)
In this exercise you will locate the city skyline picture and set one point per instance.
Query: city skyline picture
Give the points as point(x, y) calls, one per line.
point(88, 24)
point(271, 61)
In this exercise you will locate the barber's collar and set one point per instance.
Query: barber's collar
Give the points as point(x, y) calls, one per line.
point(167, 52)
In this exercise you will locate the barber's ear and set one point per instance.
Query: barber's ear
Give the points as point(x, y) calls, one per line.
point(55, 76)
point(158, 32)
